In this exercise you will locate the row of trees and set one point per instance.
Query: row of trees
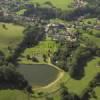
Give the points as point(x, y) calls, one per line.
point(77, 62)
point(32, 36)
point(2, 58)
point(51, 11)
point(73, 57)
point(89, 91)
point(11, 78)
point(66, 95)
point(60, 57)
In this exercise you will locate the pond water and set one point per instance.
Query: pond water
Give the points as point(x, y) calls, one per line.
point(38, 74)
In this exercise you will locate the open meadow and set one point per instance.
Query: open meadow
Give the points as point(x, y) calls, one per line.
point(91, 69)
point(63, 4)
point(10, 36)
point(38, 51)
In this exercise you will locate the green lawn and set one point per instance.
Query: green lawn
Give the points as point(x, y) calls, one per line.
point(93, 38)
point(97, 94)
point(21, 12)
point(77, 86)
point(91, 20)
point(12, 95)
point(39, 50)
point(97, 91)
point(63, 4)
point(11, 35)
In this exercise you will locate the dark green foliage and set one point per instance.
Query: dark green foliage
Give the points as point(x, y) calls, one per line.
point(33, 34)
point(1, 54)
point(4, 26)
point(98, 52)
point(49, 98)
point(10, 78)
point(65, 95)
point(34, 59)
point(44, 58)
point(89, 91)
point(61, 56)
point(77, 61)
point(28, 57)
point(2, 58)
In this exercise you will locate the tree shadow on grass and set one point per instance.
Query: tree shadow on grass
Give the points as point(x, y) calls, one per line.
point(9, 86)
point(81, 66)
point(5, 86)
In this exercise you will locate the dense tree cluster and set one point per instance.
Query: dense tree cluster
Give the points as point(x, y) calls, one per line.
point(43, 12)
point(64, 51)
point(32, 36)
point(92, 9)
point(76, 63)
point(10, 78)
point(2, 58)
point(73, 57)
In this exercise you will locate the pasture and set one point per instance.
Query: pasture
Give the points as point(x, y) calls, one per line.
point(62, 4)
point(91, 69)
point(10, 36)
point(38, 51)
point(96, 40)
point(21, 12)
point(13, 95)
point(97, 92)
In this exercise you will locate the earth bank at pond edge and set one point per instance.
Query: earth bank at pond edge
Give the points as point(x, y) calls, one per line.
point(40, 75)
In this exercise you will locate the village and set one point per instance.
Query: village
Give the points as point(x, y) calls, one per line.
point(58, 31)
point(48, 48)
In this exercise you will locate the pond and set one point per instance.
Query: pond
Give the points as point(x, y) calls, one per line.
point(38, 74)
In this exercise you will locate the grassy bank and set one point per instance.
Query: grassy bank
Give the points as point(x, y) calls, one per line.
point(91, 69)
point(10, 36)
point(38, 51)
point(13, 95)
point(62, 4)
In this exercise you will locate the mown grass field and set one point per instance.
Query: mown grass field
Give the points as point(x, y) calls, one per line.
point(42, 48)
point(63, 4)
point(91, 69)
point(96, 40)
point(10, 35)
point(97, 92)
point(90, 20)
point(13, 95)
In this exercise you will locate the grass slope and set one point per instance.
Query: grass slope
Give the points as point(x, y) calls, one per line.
point(12, 95)
point(39, 50)
point(11, 35)
point(96, 40)
point(77, 86)
point(63, 4)
point(21, 12)
point(97, 91)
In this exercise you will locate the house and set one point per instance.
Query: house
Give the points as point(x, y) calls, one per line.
point(60, 32)
point(97, 27)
